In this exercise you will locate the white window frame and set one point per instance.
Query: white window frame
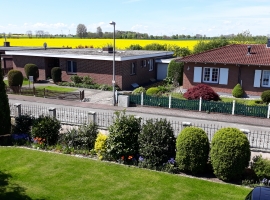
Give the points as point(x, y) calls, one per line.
point(151, 65)
point(210, 76)
point(262, 78)
point(72, 67)
point(133, 68)
point(144, 63)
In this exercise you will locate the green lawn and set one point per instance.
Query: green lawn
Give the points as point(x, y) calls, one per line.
point(29, 174)
point(57, 88)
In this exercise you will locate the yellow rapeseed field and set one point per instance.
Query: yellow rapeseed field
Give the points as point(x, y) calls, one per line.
point(95, 43)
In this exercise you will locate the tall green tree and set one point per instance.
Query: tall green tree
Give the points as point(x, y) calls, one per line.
point(203, 45)
point(5, 123)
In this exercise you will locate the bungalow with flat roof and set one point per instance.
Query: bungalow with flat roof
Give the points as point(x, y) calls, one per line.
point(224, 67)
point(131, 66)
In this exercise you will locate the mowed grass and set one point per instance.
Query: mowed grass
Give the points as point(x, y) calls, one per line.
point(56, 88)
point(95, 43)
point(31, 174)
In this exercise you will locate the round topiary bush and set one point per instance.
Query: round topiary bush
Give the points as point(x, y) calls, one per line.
point(266, 96)
point(56, 73)
point(192, 150)
point(138, 90)
point(156, 144)
point(201, 90)
point(238, 91)
point(31, 70)
point(230, 153)
point(152, 91)
point(15, 78)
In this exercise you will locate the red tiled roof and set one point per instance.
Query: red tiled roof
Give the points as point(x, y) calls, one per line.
point(233, 54)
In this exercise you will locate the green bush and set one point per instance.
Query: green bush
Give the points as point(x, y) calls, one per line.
point(192, 150)
point(31, 70)
point(134, 47)
point(157, 143)
point(261, 167)
point(266, 96)
point(230, 153)
point(101, 146)
point(152, 91)
point(5, 122)
point(175, 71)
point(82, 138)
point(46, 128)
point(87, 80)
point(76, 79)
point(56, 73)
point(15, 78)
point(23, 124)
point(123, 138)
point(238, 91)
point(156, 47)
point(138, 90)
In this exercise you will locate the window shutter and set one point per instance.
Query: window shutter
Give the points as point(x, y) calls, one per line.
point(223, 76)
point(197, 78)
point(74, 67)
point(257, 78)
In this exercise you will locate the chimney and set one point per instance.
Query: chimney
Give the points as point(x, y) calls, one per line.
point(249, 50)
point(268, 43)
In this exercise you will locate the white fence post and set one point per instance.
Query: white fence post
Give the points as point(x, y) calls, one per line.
point(18, 107)
point(200, 105)
point(233, 107)
point(52, 112)
point(142, 99)
point(170, 101)
point(268, 113)
point(91, 117)
point(116, 96)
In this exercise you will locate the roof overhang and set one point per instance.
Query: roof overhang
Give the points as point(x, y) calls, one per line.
point(89, 57)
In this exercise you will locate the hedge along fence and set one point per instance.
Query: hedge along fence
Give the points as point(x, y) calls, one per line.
point(202, 105)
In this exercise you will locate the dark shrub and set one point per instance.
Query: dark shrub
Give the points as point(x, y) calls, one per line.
point(192, 150)
point(23, 124)
point(31, 70)
point(15, 78)
point(76, 79)
point(157, 143)
point(56, 73)
point(82, 138)
point(152, 91)
point(175, 71)
point(123, 138)
point(230, 153)
point(5, 123)
point(46, 128)
point(261, 167)
point(201, 90)
point(238, 91)
point(266, 96)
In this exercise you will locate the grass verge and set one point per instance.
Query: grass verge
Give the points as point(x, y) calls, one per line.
point(30, 174)
point(56, 88)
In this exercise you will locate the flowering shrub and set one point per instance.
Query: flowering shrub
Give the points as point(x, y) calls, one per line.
point(39, 142)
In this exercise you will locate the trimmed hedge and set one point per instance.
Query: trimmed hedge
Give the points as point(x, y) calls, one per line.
point(192, 150)
point(175, 71)
point(265, 96)
point(31, 70)
point(201, 90)
point(138, 90)
point(15, 78)
point(56, 73)
point(230, 153)
point(152, 91)
point(238, 91)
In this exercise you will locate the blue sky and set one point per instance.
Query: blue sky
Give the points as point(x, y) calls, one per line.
point(156, 17)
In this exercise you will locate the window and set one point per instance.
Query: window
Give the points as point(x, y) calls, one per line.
point(265, 78)
point(151, 66)
point(144, 63)
point(210, 75)
point(71, 67)
point(133, 69)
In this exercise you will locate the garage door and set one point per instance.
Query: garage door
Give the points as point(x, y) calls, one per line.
point(162, 71)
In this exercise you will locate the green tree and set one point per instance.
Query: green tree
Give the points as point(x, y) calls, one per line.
point(5, 123)
point(203, 45)
point(175, 72)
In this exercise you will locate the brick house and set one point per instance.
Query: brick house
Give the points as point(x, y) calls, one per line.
point(224, 67)
point(130, 66)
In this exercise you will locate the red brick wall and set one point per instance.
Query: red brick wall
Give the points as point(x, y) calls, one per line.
point(20, 61)
point(247, 78)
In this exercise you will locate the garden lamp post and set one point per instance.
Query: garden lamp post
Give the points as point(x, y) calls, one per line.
point(113, 81)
